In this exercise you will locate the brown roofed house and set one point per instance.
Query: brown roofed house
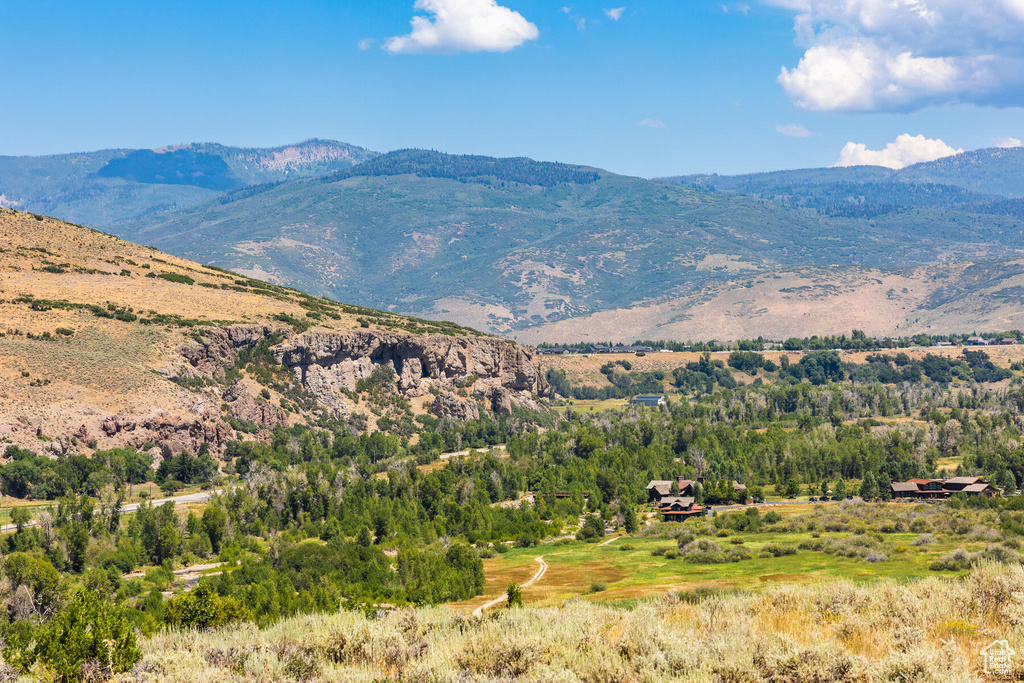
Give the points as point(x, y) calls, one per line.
point(679, 508)
point(923, 489)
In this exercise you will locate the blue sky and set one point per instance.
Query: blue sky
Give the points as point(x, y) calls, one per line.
point(521, 77)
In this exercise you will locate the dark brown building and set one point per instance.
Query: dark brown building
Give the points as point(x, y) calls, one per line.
point(925, 489)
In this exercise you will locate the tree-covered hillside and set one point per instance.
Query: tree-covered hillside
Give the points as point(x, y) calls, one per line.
point(109, 187)
point(430, 233)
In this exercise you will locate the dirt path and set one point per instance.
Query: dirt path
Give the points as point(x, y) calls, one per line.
point(479, 611)
point(610, 540)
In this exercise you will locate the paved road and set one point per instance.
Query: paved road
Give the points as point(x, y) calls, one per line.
point(479, 611)
point(200, 497)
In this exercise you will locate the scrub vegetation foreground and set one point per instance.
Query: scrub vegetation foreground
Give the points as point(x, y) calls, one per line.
point(929, 630)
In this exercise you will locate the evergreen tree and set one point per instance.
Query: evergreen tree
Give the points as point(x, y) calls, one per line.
point(630, 522)
point(869, 487)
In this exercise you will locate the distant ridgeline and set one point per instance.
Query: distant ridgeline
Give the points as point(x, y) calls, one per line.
point(178, 167)
point(986, 181)
point(469, 169)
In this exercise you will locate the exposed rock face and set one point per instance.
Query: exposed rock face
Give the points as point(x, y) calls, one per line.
point(171, 433)
point(327, 362)
point(446, 405)
point(220, 346)
point(245, 406)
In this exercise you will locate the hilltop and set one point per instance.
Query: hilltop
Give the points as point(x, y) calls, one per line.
point(110, 187)
point(106, 343)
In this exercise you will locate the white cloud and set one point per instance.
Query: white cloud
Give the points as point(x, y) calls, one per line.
point(566, 10)
point(906, 150)
point(900, 55)
point(463, 26)
point(366, 43)
point(652, 123)
point(1007, 142)
point(793, 130)
point(615, 13)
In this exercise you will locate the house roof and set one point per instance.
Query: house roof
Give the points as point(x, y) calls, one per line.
point(683, 483)
point(658, 482)
point(921, 481)
point(736, 486)
point(685, 501)
point(904, 486)
point(977, 488)
point(963, 480)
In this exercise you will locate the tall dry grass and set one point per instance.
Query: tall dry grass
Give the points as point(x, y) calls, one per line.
point(929, 630)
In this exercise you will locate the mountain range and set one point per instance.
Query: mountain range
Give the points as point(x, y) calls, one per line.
point(559, 252)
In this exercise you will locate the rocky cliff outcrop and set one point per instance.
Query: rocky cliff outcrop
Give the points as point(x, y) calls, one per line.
point(327, 362)
point(446, 405)
point(219, 347)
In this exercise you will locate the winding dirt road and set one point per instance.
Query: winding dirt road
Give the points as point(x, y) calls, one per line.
point(479, 611)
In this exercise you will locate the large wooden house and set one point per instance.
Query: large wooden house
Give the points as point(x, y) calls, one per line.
point(679, 508)
point(658, 489)
point(925, 489)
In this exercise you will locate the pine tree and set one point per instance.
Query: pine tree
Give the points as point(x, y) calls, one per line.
point(630, 519)
point(869, 487)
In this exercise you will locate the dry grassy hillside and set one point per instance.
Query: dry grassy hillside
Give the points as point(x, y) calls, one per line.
point(801, 302)
point(586, 368)
point(106, 343)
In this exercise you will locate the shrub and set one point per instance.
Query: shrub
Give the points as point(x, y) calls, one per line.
point(954, 561)
point(515, 595)
point(176, 277)
point(88, 634)
point(777, 550)
point(203, 608)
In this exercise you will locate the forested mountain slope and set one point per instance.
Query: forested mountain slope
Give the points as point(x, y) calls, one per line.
point(509, 244)
point(108, 187)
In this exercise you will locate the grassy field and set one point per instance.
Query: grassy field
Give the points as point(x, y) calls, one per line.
point(626, 569)
point(593, 406)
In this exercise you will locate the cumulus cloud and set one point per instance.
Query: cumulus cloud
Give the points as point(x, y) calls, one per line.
point(901, 55)
point(615, 13)
point(366, 43)
point(463, 26)
point(793, 130)
point(652, 123)
point(1006, 143)
point(906, 150)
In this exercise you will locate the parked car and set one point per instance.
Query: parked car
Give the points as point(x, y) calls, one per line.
point(813, 499)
